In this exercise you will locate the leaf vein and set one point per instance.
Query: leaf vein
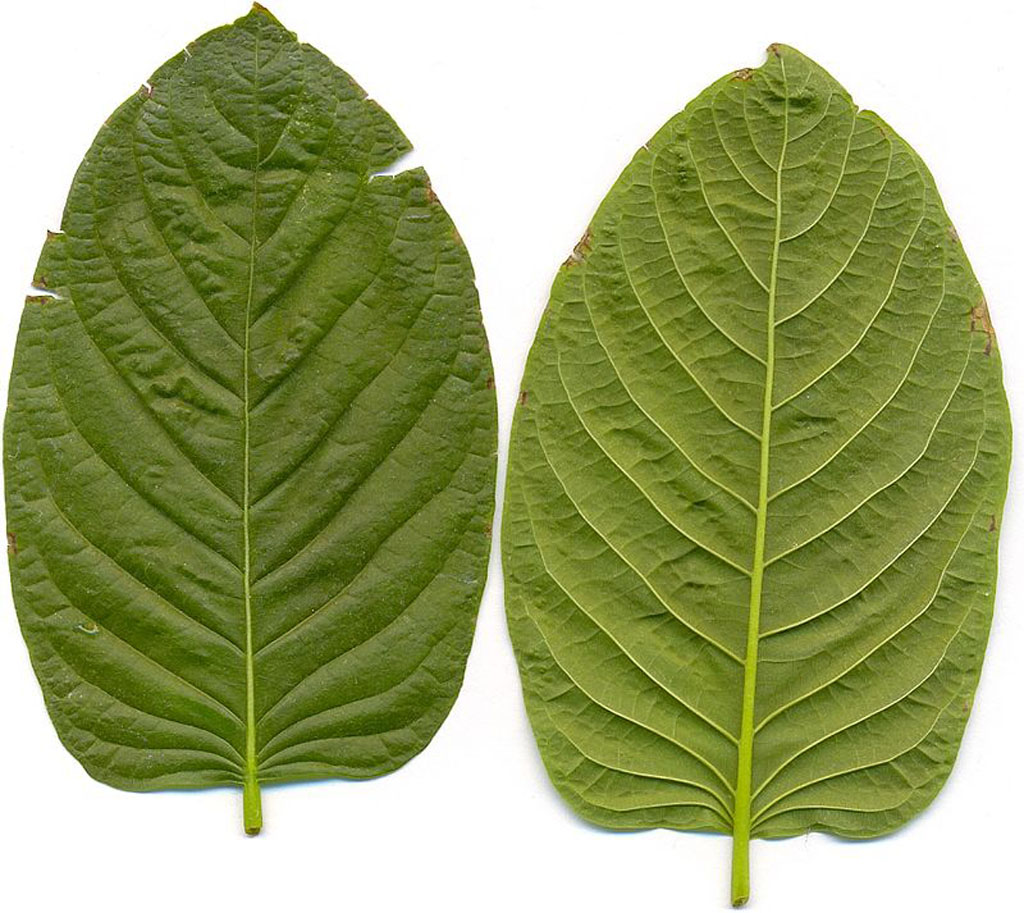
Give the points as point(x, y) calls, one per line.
point(725, 650)
point(910, 367)
point(690, 751)
point(853, 251)
point(675, 355)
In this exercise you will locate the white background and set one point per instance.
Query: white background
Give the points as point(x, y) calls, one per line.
point(523, 113)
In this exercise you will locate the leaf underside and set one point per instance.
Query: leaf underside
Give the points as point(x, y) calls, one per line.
point(250, 442)
point(769, 328)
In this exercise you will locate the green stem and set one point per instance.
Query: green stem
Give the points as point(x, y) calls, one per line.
point(745, 750)
point(252, 806)
point(741, 865)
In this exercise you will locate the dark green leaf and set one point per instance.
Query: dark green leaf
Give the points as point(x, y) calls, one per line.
point(250, 443)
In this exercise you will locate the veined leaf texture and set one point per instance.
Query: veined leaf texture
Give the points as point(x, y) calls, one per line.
point(756, 477)
point(250, 445)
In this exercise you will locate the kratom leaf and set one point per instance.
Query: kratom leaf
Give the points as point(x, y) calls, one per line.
point(756, 477)
point(250, 443)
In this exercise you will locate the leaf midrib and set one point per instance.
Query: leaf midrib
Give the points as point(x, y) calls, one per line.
point(745, 750)
point(251, 790)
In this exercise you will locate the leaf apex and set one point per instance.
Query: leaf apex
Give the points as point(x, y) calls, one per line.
point(258, 9)
point(780, 49)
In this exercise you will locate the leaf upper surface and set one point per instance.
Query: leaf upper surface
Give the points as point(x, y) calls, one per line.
point(756, 478)
point(250, 441)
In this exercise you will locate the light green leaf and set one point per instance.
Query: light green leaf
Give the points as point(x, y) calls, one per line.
point(250, 444)
point(756, 477)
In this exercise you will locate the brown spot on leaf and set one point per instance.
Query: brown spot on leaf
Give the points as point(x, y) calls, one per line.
point(145, 90)
point(953, 236)
point(580, 250)
point(431, 196)
point(992, 523)
point(488, 532)
point(490, 382)
point(522, 397)
point(775, 49)
point(980, 321)
point(12, 544)
point(745, 74)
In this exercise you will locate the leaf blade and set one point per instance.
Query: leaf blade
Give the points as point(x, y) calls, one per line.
point(259, 395)
point(771, 235)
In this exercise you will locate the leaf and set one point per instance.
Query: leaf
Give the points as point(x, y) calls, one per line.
point(755, 479)
point(251, 435)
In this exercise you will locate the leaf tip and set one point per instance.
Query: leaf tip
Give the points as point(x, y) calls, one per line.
point(260, 9)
